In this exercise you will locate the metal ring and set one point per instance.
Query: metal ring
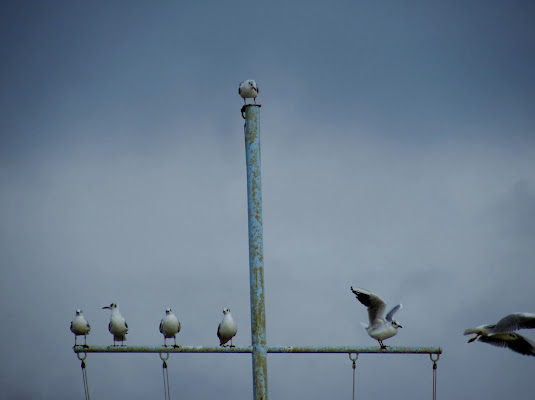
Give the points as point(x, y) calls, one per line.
point(164, 359)
point(356, 356)
point(433, 359)
point(80, 358)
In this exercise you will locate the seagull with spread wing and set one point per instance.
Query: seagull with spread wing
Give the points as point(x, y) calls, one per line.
point(502, 333)
point(381, 327)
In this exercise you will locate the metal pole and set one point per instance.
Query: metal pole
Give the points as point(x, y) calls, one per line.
point(256, 250)
point(270, 349)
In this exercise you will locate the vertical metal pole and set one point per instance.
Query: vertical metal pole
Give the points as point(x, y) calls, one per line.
point(256, 250)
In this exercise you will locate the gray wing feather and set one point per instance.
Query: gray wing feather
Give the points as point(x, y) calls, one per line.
point(520, 344)
point(514, 322)
point(376, 305)
point(391, 313)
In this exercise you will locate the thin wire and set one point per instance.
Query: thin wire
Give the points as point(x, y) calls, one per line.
point(434, 375)
point(354, 370)
point(167, 394)
point(84, 377)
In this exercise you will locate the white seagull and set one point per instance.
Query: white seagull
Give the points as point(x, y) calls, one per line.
point(79, 326)
point(117, 326)
point(502, 333)
point(227, 329)
point(248, 89)
point(380, 327)
point(169, 327)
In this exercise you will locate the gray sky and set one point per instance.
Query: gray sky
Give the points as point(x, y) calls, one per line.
point(398, 155)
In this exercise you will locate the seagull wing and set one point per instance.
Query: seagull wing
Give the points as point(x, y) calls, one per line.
point(161, 326)
point(376, 305)
point(520, 344)
point(515, 321)
point(391, 313)
point(218, 328)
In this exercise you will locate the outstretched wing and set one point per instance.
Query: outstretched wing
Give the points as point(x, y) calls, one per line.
point(376, 305)
point(520, 344)
point(391, 313)
point(515, 321)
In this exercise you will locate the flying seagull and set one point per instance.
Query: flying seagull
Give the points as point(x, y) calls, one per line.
point(227, 329)
point(117, 326)
point(502, 333)
point(248, 89)
point(79, 326)
point(169, 327)
point(380, 327)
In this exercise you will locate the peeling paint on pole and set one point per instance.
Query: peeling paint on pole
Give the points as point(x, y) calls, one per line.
point(256, 250)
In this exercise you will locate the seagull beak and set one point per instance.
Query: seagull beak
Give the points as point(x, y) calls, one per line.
point(399, 326)
point(108, 307)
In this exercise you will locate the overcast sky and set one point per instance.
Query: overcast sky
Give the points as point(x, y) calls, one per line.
point(398, 155)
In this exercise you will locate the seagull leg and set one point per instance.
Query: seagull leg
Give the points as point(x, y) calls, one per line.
point(85, 341)
point(175, 345)
point(383, 347)
point(231, 345)
point(474, 338)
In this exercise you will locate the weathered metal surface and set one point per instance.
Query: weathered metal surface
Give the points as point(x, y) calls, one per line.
point(249, 349)
point(256, 250)
point(356, 349)
point(161, 349)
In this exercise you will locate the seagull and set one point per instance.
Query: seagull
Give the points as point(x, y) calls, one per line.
point(248, 89)
point(502, 333)
point(227, 329)
point(380, 327)
point(169, 327)
point(79, 326)
point(118, 326)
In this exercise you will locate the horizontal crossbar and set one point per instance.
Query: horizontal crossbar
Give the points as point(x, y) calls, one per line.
point(249, 349)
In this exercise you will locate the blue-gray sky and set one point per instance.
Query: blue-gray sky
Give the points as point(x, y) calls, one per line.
point(398, 155)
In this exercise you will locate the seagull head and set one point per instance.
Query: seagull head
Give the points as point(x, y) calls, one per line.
point(110, 307)
point(396, 324)
point(226, 311)
point(79, 312)
point(168, 311)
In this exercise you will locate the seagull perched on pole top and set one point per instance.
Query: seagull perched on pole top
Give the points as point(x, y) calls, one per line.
point(169, 327)
point(248, 90)
point(502, 333)
point(79, 326)
point(227, 329)
point(380, 327)
point(117, 326)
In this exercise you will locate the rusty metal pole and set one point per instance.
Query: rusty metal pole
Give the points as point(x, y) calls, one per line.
point(256, 250)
